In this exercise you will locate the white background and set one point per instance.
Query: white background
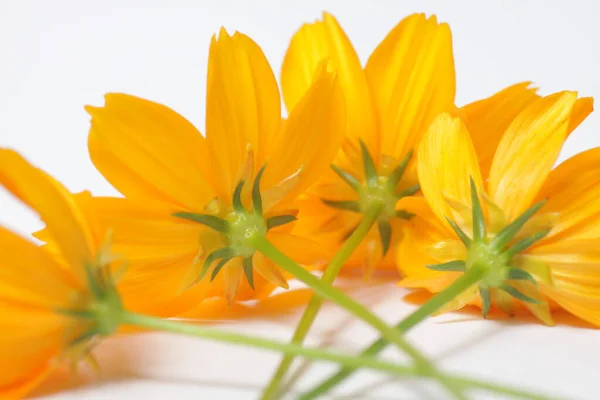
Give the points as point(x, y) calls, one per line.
point(57, 56)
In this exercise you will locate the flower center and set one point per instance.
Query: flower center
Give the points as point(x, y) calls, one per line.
point(242, 228)
point(495, 254)
point(237, 229)
point(375, 192)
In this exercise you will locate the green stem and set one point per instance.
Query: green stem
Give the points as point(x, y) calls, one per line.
point(260, 243)
point(469, 278)
point(199, 331)
point(331, 272)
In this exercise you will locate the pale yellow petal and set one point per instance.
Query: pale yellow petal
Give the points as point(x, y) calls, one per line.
point(488, 119)
point(446, 164)
point(527, 152)
point(412, 79)
point(268, 270)
point(326, 39)
point(243, 108)
point(149, 152)
point(232, 278)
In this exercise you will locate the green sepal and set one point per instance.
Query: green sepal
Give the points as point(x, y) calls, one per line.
point(409, 191)
point(346, 177)
point(256, 197)
point(218, 268)
point(84, 314)
point(237, 198)
point(510, 230)
point(385, 234)
point(279, 220)
point(368, 164)
point(93, 281)
point(514, 292)
point(460, 233)
point(526, 243)
point(223, 252)
point(247, 263)
point(404, 214)
point(398, 172)
point(521, 275)
point(478, 219)
point(84, 337)
point(213, 222)
point(457, 265)
point(486, 300)
point(348, 205)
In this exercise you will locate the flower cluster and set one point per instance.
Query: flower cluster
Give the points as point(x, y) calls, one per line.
point(375, 167)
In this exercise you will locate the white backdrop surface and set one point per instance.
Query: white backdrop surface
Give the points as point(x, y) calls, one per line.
point(60, 55)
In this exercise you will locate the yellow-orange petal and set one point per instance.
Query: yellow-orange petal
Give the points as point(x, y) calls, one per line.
point(326, 40)
point(55, 206)
point(411, 77)
point(581, 109)
point(310, 138)
point(573, 193)
point(242, 108)
point(300, 249)
point(268, 270)
point(527, 152)
point(30, 276)
point(446, 164)
point(149, 152)
point(488, 119)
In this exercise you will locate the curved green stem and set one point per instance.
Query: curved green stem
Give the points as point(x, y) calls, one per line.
point(199, 331)
point(468, 279)
point(313, 307)
point(261, 244)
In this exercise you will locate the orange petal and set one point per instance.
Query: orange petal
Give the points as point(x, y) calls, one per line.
point(31, 340)
point(528, 151)
point(242, 107)
point(447, 162)
point(311, 136)
point(54, 204)
point(326, 40)
point(214, 310)
point(488, 119)
point(149, 152)
point(268, 270)
point(573, 192)
point(411, 76)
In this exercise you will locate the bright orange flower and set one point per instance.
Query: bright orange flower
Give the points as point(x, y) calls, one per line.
point(408, 80)
point(164, 166)
point(533, 230)
point(51, 312)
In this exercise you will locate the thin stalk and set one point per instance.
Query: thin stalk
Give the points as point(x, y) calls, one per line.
point(199, 331)
point(310, 313)
point(260, 243)
point(468, 279)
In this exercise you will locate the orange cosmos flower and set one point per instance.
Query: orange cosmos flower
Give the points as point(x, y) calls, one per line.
point(533, 231)
point(189, 201)
point(408, 80)
point(51, 312)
